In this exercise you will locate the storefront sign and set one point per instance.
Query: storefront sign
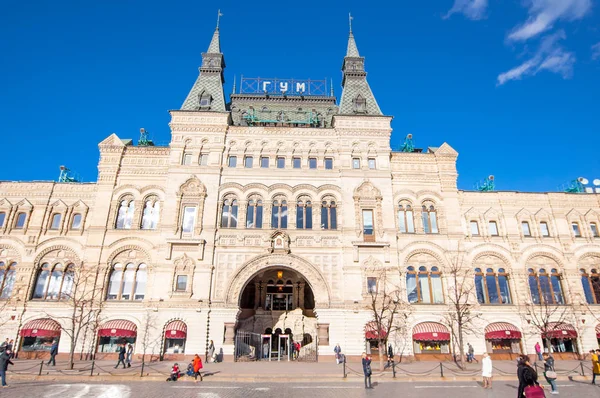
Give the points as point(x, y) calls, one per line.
point(275, 86)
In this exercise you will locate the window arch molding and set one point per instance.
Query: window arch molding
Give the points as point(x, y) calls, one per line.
point(574, 217)
point(329, 212)
point(124, 212)
point(229, 211)
point(304, 206)
point(492, 279)
point(191, 198)
point(526, 223)
point(254, 211)
point(545, 278)
point(405, 216)
point(429, 217)
point(368, 197)
point(151, 210)
point(424, 277)
point(279, 211)
point(20, 216)
point(54, 281)
point(127, 274)
point(56, 218)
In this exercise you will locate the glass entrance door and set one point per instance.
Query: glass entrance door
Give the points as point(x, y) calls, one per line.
point(283, 352)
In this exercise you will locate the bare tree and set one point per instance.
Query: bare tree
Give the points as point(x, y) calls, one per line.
point(150, 339)
point(4, 315)
point(389, 306)
point(84, 302)
point(462, 314)
point(545, 318)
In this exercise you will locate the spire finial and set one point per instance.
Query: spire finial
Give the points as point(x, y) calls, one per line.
point(350, 18)
point(219, 15)
point(233, 91)
point(331, 88)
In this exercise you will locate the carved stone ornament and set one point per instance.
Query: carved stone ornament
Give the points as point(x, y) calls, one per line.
point(280, 242)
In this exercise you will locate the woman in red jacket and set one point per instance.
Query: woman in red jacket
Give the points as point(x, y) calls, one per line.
point(197, 366)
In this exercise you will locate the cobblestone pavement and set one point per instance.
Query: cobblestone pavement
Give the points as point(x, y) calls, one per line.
point(289, 390)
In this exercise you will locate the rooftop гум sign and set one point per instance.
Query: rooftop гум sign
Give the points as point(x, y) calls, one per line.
point(275, 86)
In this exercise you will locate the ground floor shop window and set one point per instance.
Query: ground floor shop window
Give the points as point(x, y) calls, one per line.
point(37, 343)
point(373, 347)
point(504, 346)
point(561, 345)
point(432, 347)
point(113, 343)
point(175, 346)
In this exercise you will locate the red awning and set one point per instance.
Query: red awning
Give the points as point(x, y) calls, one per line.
point(557, 330)
point(371, 332)
point(598, 331)
point(502, 331)
point(118, 328)
point(431, 331)
point(44, 327)
point(176, 330)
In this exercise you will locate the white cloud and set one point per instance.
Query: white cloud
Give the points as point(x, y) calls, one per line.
point(472, 9)
point(596, 51)
point(544, 13)
point(550, 56)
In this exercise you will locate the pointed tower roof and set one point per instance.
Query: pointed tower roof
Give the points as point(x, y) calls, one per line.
point(207, 92)
point(357, 97)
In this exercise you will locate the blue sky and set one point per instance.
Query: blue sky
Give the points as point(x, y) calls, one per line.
point(513, 86)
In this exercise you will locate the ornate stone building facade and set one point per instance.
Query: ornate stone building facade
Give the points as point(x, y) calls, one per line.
point(259, 219)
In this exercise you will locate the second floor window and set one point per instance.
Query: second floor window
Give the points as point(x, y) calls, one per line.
point(264, 162)
point(296, 162)
point(2, 218)
point(525, 228)
point(189, 219)
point(279, 215)
point(492, 287)
point(429, 217)
point(474, 228)
point(230, 212)
point(203, 161)
point(372, 163)
point(328, 163)
point(545, 287)
point(591, 286)
point(20, 222)
point(312, 163)
point(424, 286)
point(356, 163)
point(593, 229)
point(187, 159)
point(368, 225)
point(55, 224)
point(493, 228)
point(8, 274)
point(127, 283)
point(544, 229)
point(371, 285)
point(304, 214)
point(181, 283)
point(248, 162)
point(328, 214)
point(406, 221)
point(232, 161)
point(150, 214)
point(54, 282)
point(576, 230)
point(125, 215)
point(76, 222)
point(281, 162)
point(254, 215)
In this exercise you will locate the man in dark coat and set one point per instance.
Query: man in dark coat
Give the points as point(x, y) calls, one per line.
point(390, 357)
point(4, 362)
point(122, 352)
point(53, 352)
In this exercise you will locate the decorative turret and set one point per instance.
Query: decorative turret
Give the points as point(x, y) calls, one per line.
point(357, 97)
point(207, 93)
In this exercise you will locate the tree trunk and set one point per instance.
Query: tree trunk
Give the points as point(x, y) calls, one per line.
point(72, 354)
point(461, 350)
point(381, 351)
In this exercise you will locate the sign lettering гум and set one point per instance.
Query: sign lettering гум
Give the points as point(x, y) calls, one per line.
point(259, 85)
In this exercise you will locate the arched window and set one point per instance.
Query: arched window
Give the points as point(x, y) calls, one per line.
point(279, 214)
point(20, 221)
point(127, 283)
point(429, 216)
point(7, 279)
point(328, 214)
point(304, 214)
point(151, 213)
point(76, 222)
point(55, 224)
point(492, 287)
point(591, 285)
point(546, 287)
point(406, 220)
point(254, 215)
point(125, 214)
point(230, 213)
point(54, 282)
point(424, 286)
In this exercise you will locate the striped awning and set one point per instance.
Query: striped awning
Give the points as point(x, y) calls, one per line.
point(44, 327)
point(502, 331)
point(557, 330)
point(374, 333)
point(431, 331)
point(598, 331)
point(176, 330)
point(118, 328)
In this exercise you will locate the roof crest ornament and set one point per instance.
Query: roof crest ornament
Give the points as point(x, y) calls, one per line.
point(219, 15)
point(350, 18)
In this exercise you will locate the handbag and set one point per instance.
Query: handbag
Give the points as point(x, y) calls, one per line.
point(534, 392)
point(551, 374)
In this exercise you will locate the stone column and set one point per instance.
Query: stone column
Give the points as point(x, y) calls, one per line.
point(302, 284)
point(229, 333)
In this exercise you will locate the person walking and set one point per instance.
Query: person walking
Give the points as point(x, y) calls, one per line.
point(528, 379)
point(9, 347)
point(211, 352)
point(390, 357)
point(197, 363)
point(549, 372)
point(122, 352)
point(129, 354)
point(4, 362)
point(538, 351)
point(595, 364)
point(366, 364)
point(338, 352)
point(486, 370)
point(471, 354)
point(53, 352)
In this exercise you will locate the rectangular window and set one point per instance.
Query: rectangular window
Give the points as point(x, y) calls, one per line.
point(232, 161)
point(525, 228)
point(280, 162)
point(20, 224)
point(264, 162)
point(593, 228)
point(544, 229)
point(493, 228)
point(474, 228)
point(371, 285)
point(576, 230)
point(189, 219)
point(372, 164)
point(187, 159)
point(2, 217)
point(368, 230)
point(296, 163)
point(55, 221)
point(356, 163)
point(248, 160)
point(203, 159)
point(312, 163)
point(181, 283)
point(328, 163)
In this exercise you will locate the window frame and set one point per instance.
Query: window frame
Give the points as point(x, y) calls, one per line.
point(17, 218)
point(373, 162)
point(186, 160)
point(122, 283)
point(495, 224)
point(280, 203)
point(302, 206)
point(280, 162)
point(177, 283)
point(203, 159)
point(418, 273)
point(474, 223)
point(262, 162)
point(46, 267)
point(542, 234)
point(312, 163)
point(56, 218)
point(296, 162)
point(427, 209)
point(594, 230)
point(576, 229)
point(2, 219)
point(594, 286)
point(128, 205)
point(257, 210)
point(532, 273)
point(356, 163)
point(248, 162)
point(372, 285)
point(72, 226)
point(486, 292)
point(6, 268)
point(234, 204)
point(523, 225)
point(404, 208)
point(329, 207)
point(328, 163)
point(232, 161)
